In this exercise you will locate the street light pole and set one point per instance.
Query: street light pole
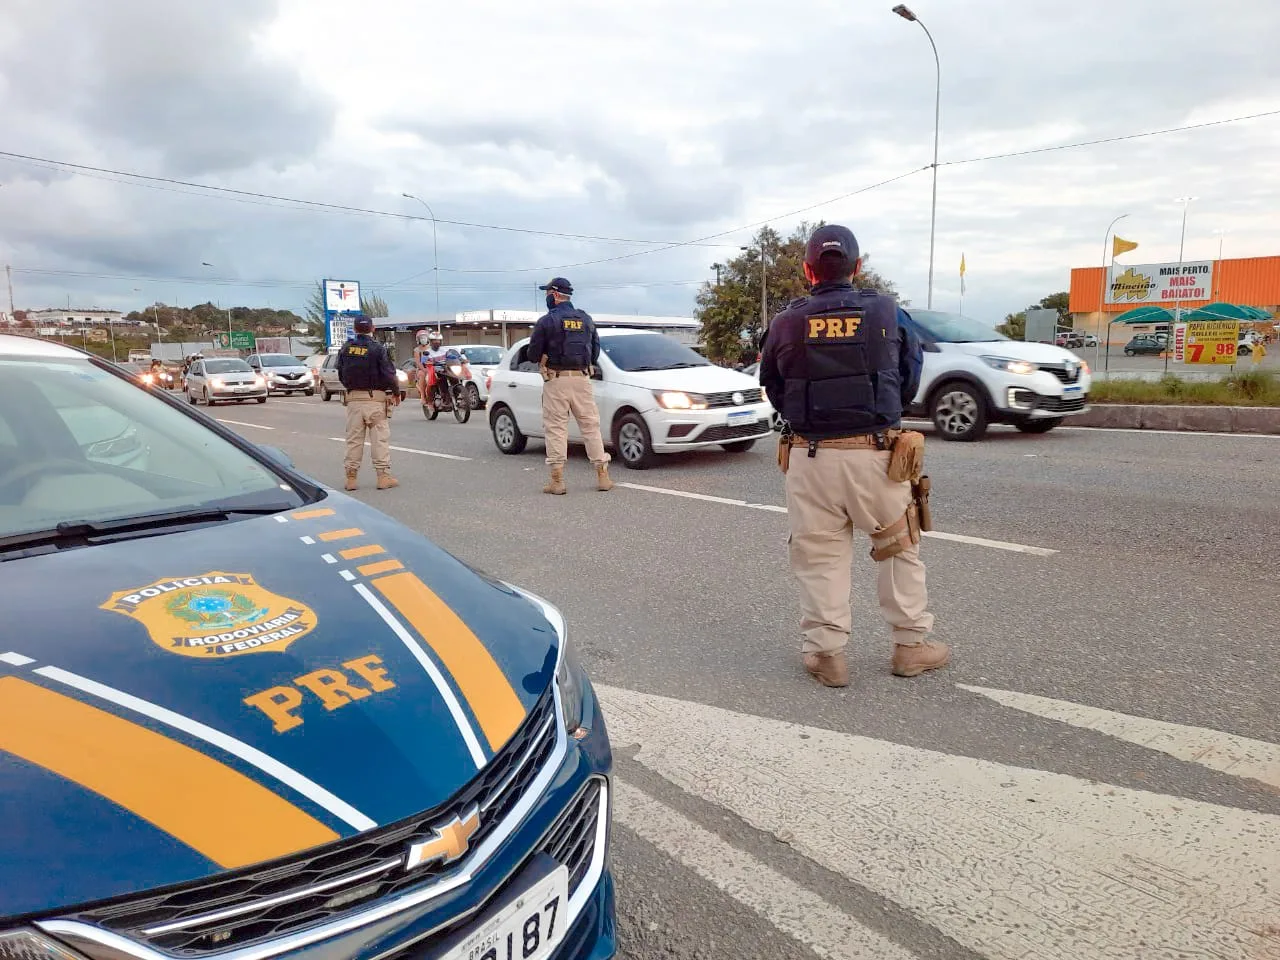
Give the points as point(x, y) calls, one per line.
point(1177, 304)
point(905, 13)
point(1102, 302)
point(435, 253)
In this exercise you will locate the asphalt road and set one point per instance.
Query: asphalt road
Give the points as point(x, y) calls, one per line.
point(1096, 775)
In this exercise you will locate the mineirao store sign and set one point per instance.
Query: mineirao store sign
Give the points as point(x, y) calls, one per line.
point(1159, 282)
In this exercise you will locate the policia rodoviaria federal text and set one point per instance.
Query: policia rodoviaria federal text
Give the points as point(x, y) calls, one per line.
point(370, 390)
point(841, 366)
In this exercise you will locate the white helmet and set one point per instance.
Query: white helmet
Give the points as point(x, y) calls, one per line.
point(436, 336)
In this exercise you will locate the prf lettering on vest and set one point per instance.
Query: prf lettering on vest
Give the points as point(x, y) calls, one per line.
point(333, 688)
point(357, 351)
point(573, 324)
point(826, 329)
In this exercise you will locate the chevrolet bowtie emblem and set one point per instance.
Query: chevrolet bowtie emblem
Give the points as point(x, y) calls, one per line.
point(451, 841)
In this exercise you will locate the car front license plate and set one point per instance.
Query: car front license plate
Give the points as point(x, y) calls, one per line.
point(1070, 389)
point(528, 929)
point(741, 416)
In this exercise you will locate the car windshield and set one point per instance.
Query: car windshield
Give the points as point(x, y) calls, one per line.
point(227, 366)
point(278, 360)
point(482, 355)
point(81, 444)
point(649, 351)
point(953, 328)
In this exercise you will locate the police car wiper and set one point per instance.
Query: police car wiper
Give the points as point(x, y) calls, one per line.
point(71, 531)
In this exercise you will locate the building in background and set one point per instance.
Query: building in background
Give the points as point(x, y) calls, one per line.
point(78, 318)
point(1248, 281)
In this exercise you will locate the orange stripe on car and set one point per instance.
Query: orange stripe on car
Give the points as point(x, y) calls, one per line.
point(215, 810)
point(355, 553)
point(346, 534)
point(481, 681)
point(312, 514)
point(382, 566)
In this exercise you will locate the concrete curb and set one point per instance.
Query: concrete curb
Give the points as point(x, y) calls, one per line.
point(1123, 416)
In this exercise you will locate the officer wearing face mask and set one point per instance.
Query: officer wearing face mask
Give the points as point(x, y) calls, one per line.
point(841, 365)
point(566, 348)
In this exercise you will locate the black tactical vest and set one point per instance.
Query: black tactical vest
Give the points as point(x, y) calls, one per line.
point(569, 346)
point(850, 343)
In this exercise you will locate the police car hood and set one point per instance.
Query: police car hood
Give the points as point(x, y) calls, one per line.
point(708, 379)
point(176, 706)
point(1014, 350)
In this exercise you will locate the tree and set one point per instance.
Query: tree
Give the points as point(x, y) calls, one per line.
point(729, 311)
point(1014, 326)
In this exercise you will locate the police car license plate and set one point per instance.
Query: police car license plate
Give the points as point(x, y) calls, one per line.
point(1071, 389)
point(741, 416)
point(530, 928)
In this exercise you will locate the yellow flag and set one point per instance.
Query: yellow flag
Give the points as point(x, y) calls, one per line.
point(962, 264)
point(1119, 246)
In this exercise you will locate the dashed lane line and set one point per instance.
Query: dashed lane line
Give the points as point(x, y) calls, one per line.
point(421, 453)
point(243, 423)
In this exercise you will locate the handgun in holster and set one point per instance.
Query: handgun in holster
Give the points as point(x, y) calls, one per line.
point(784, 447)
point(544, 370)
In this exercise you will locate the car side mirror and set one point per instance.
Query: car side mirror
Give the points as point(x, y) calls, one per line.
point(276, 454)
point(928, 346)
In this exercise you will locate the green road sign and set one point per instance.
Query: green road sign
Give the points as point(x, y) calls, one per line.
point(236, 340)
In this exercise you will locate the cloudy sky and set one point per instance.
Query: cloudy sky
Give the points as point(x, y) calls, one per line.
point(654, 122)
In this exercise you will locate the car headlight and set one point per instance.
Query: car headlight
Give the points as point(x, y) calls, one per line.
point(570, 677)
point(259, 382)
point(679, 400)
point(30, 945)
point(1084, 366)
point(1010, 365)
point(402, 376)
point(217, 382)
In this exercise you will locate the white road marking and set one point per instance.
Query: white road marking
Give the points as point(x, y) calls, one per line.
point(1009, 862)
point(281, 519)
point(328, 558)
point(790, 907)
point(15, 659)
point(427, 664)
point(294, 403)
point(1175, 433)
point(267, 764)
point(1225, 752)
point(421, 453)
point(346, 575)
point(308, 540)
point(773, 508)
point(241, 423)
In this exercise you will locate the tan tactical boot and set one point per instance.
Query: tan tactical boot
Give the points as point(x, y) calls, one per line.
point(829, 669)
point(351, 481)
point(386, 481)
point(913, 660)
point(603, 483)
point(556, 484)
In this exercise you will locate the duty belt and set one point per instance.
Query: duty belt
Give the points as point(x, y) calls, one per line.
point(369, 392)
point(867, 441)
point(566, 373)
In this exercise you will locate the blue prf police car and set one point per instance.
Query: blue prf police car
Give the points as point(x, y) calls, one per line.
point(243, 716)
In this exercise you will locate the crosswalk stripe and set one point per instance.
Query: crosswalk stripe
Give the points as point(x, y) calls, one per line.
point(1238, 756)
point(1007, 861)
point(791, 908)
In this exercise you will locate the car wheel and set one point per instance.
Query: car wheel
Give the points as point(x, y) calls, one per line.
point(632, 441)
point(208, 402)
point(1243, 350)
point(309, 393)
point(1128, 353)
point(740, 446)
point(191, 398)
point(473, 396)
point(325, 395)
point(506, 434)
point(959, 412)
point(262, 399)
point(1039, 425)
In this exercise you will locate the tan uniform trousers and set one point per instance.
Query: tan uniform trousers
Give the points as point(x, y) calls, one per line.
point(565, 393)
point(367, 417)
point(828, 497)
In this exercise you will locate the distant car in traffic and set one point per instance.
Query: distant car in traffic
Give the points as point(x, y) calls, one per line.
point(655, 396)
point(483, 359)
point(330, 386)
point(1144, 345)
point(283, 373)
point(224, 379)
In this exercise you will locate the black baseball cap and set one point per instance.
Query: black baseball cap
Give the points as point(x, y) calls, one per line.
point(362, 323)
point(559, 284)
point(831, 239)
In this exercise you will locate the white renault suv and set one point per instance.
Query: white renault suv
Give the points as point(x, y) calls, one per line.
point(974, 376)
point(655, 396)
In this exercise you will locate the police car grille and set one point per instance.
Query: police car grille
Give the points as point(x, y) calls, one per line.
point(263, 902)
point(572, 840)
point(1060, 371)
point(736, 432)
point(1062, 404)
point(751, 395)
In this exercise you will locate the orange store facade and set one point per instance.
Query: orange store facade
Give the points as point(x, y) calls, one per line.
point(1251, 281)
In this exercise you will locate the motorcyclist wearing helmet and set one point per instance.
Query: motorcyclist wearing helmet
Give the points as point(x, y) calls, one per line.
point(428, 356)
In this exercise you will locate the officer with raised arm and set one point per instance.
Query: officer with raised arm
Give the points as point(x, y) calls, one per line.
point(841, 365)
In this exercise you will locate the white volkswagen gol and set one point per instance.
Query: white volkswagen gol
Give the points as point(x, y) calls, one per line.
point(655, 396)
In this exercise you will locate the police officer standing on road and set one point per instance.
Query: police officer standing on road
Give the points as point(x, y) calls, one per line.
point(841, 366)
point(370, 391)
point(566, 347)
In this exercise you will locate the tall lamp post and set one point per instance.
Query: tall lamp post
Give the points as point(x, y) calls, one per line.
point(905, 13)
point(1104, 326)
point(435, 252)
point(205, 263)
point(1182, 245)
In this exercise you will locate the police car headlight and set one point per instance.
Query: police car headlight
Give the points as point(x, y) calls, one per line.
point(570, 677)
point(1010, 365)
point(30, 945)
point(679, 400)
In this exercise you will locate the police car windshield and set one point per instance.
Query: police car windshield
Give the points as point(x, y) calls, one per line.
point(944, 327)
point(482, 354)
point(649, 351)
point(80, 444)
point(278, 360)
point(227, 366)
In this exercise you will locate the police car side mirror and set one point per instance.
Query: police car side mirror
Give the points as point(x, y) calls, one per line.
point(928, 346)
point(276, 454)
